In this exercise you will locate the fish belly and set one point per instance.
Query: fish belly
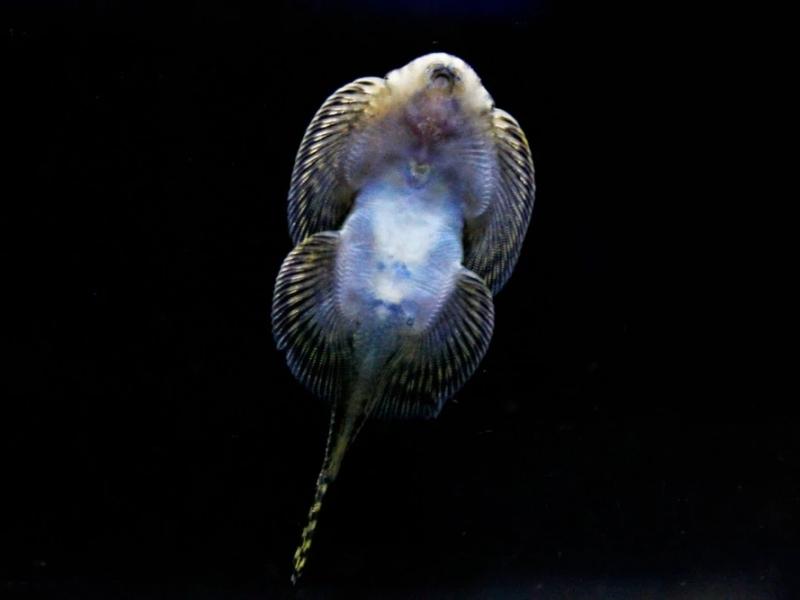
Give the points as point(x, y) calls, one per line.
point(399, 257)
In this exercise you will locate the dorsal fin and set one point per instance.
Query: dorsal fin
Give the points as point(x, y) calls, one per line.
point(430, 367)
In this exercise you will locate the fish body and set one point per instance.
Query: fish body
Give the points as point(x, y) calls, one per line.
point(399, 255)
point(409, 201)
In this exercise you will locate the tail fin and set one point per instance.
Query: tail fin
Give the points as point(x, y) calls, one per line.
point(301, 553)
point(345, 425)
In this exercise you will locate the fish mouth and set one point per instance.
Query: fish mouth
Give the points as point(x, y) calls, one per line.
point(442, 77)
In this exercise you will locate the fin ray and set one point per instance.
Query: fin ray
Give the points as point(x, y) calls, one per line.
point(492, 241)
point(430, 368)
point(319, 195)
point(305, 321)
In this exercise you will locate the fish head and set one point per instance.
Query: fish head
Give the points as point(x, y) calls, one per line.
point(439, 96)
point(431, 127)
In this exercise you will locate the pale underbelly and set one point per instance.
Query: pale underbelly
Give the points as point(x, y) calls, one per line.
point(397, 264)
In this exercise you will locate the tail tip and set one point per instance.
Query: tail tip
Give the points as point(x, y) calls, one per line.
point(299, 563)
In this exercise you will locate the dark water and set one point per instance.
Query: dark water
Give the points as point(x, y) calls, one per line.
point(612, 445)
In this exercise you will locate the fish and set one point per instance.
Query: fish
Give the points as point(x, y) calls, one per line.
point(409, 201)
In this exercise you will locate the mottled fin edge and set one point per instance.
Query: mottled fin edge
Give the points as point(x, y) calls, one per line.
point(492, 241)
point(305, 320)
point(430, 368)
point(319, 196)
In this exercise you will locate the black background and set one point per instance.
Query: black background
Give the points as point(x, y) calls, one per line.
point(616, 442)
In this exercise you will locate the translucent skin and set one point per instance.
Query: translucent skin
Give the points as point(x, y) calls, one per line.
point(410, 198)
point(399, 255)
point(433, 138)
point(421, 169)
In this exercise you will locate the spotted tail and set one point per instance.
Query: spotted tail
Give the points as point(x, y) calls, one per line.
point(301, 553)
point(345, 425)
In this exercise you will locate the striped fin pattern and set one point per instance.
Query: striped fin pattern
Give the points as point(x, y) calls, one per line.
point(319, 195)
point(430, 368)
point(492, 242)
point(305, 320)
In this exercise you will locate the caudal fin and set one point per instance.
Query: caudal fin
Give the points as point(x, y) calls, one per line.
point(346, 421)
point(301, 554)
point(308, 326)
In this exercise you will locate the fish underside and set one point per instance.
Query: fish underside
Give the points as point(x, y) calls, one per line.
point(410, 198)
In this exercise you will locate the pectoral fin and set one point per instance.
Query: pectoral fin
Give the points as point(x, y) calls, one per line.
point(320, 196)
point(492, 241)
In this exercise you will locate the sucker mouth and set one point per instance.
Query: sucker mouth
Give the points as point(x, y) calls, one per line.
point(442, 76)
